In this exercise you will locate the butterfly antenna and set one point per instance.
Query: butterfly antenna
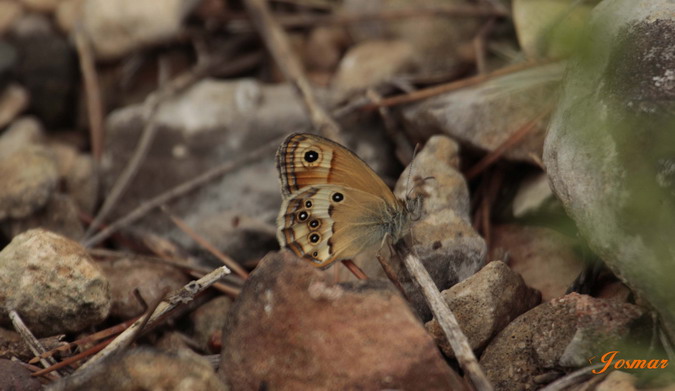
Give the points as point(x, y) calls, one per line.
point(408, 188)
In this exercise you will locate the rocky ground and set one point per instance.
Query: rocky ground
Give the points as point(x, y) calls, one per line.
point(137, 144)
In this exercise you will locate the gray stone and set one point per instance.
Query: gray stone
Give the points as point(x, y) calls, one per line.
point(443, 238)
point(52, 283)
point(486, 115)
point(555, 335)
point(29, 177)
point(484, 304)
point(610, 149)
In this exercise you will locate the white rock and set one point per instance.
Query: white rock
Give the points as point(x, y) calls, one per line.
point(118, 27)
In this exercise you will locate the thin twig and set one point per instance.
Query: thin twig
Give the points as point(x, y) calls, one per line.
point(278, 44)
point(92, 90)
point(356, 271)
point(511, 141)
point(225, 259)
point(455, 85)
point(181, 190)
point(446, 319)
point(572, 378)
point(184, 295)
point(88, 339)
point(304, 20)
point(30, 340)
point(391, 274)
point(73, 359)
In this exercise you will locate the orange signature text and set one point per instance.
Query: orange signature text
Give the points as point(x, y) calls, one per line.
point(609, 360)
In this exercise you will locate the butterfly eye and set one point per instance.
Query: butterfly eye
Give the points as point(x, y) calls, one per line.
point(302, 216)
point(337, 197)
point(311, 156)
point(314, 238)
point(308, 204)
point(314, 223)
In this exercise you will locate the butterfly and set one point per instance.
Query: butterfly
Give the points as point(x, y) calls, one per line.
point(334, 206)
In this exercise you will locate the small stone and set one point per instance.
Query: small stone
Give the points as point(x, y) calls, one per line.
point(547, 259)
point(324, 48)
point(13, 100)
point(617, 381)
point(149, 369)
point(561, 333)
point(52, 283)
point(29, 178)
point(208, 321)
point(443, 237)
point(484, 304)
point(60, 215)
point(24, 131)
point(10, 12)
point(78, 175)
point(533, 194)
point(484, 119)
point(372, 63)
point(152, 279)
point(16, 377)
point(116, 28)
point(291, 329)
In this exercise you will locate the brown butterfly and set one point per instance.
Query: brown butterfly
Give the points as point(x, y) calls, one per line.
point(334, 206)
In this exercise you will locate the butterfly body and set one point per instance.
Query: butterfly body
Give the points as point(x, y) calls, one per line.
point(334, 206)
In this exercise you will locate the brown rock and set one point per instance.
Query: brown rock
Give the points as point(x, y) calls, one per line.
point(484, 304)
point(546, 259)
point(208, 321)
point(558, 334)
point(52, 283)
point(16, 377)
point(148, 369)
point(291, 329)
point(153, 280)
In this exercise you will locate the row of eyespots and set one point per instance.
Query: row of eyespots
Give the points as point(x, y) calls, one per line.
point(314, 224)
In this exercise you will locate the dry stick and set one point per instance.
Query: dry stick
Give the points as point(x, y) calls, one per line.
point(572, 378)
point(455, 85)
point(391, 274)
point(90, 338)
point(92, 91)
point(278, 44)
point(457, 339)
point(356, 271)
point(513, 139)
point(229, 262)
point(73, 359)
point(181, 190)
point(184, 295)
point(30, 340)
